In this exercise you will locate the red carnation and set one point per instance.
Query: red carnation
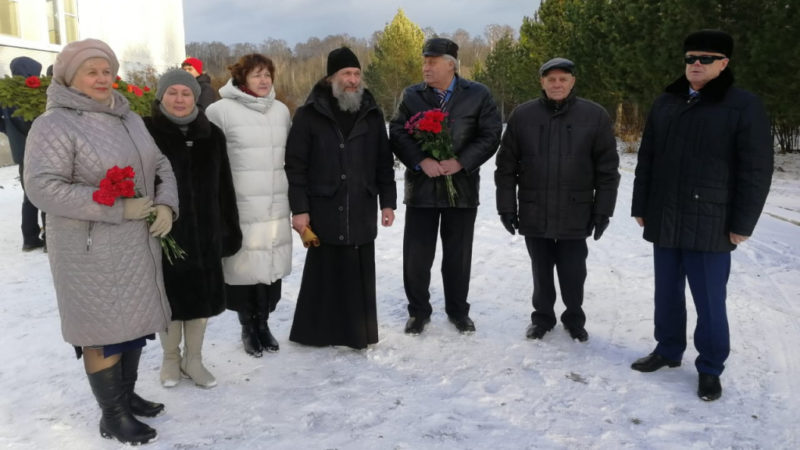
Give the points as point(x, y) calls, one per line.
point(33, 82)
point(146, 89)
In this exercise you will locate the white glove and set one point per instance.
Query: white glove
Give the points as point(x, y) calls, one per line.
point(163, 222)
point(137, 208)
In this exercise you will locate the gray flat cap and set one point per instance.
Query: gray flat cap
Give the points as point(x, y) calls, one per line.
point(557, 63)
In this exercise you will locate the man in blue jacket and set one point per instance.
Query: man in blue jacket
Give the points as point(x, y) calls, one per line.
point(703, 175)
point(17, 131)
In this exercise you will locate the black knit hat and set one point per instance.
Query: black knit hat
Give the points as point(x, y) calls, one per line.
point(710, 41)
point(340, 58)
point(439, 47)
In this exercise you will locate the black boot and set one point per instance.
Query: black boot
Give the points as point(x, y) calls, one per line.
point(265, 337)
point(130, 373)
point(117, 421)
point(252, 346)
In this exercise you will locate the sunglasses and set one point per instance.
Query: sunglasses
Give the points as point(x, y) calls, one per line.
point(704, 59)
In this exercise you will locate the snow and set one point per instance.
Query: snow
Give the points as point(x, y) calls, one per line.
point(442, 390)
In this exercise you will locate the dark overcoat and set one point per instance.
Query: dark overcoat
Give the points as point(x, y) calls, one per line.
point(339, 180)
point(561, 162)
point(208, 227)
point(704, 166)
point(475, 126)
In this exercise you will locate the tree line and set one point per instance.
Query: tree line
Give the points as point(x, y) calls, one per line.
point(626, 52)
point(298, 69)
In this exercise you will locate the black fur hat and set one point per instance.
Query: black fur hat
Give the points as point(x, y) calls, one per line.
point(709, 40)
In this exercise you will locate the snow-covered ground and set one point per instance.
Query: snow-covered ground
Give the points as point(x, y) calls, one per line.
point(442, 390)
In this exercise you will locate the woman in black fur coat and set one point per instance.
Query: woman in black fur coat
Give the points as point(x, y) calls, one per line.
point(207, 228)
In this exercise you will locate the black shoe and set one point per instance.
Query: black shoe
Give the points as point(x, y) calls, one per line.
point(117, 421)
point(578, 333)
point(709, 387)
point(464, 324)
point(265, 337)
point(653, 362)
point(130, 373)
point(536, 331)
point(416, 325)
point(252, 346)
point(33, 244)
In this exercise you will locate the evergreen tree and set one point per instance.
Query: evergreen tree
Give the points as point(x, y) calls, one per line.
point(396, 63)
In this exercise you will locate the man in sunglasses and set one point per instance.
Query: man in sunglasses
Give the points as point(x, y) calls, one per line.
point(703, 174)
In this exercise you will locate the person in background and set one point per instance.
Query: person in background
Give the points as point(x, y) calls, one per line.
point(208, 228)
point(557, 176)
point(475, 127)
point(340, 169)
point(256, 126)
point(105, 260)
point(195, 67)
point(17, 131)
point(703, 174)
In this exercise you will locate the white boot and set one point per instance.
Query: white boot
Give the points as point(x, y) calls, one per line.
point(170, 343)
point(192, 362)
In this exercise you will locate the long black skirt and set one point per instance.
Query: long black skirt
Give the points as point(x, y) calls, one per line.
point(336, 303)
point(253, 299)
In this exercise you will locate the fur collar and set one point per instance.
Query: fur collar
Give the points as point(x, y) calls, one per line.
point(714, 90)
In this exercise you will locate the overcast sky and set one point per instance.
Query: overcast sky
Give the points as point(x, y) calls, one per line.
point(232, 21)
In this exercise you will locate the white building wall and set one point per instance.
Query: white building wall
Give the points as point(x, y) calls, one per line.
point(142, 33)
point(149, 34)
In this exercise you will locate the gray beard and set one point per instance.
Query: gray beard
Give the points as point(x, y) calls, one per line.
point(348, 101)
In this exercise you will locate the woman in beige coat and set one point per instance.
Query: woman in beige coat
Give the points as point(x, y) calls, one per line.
point(105, 260)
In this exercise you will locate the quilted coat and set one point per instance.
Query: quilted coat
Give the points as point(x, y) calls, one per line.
point(106, 269)
point(255, 130)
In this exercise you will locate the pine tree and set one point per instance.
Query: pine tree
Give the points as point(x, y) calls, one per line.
point(397, 62)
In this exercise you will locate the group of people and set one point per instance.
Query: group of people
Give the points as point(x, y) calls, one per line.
point(229, 180)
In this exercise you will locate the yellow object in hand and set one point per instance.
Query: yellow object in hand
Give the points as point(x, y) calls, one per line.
point(309, 238)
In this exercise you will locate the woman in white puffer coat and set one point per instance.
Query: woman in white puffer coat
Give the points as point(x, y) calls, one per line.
point(256, 126)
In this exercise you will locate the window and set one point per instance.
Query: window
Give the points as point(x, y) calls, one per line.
point(71, 19)
point(66, 30)
point(9, 18)
point(53, 24)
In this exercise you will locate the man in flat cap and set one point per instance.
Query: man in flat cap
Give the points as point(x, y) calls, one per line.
point(703, 174)
point(474, 125)
point(340, 170)
point(557, 177)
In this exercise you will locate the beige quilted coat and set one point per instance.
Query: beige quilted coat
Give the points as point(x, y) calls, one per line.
point(106, 270)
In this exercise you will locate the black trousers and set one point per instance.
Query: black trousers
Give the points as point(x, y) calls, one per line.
point(253, 299)
point(419, 248)
point(569, 258)
point(30, 220)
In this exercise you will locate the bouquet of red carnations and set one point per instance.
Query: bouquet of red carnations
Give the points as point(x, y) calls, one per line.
point(429, 128)
point(119, 183)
